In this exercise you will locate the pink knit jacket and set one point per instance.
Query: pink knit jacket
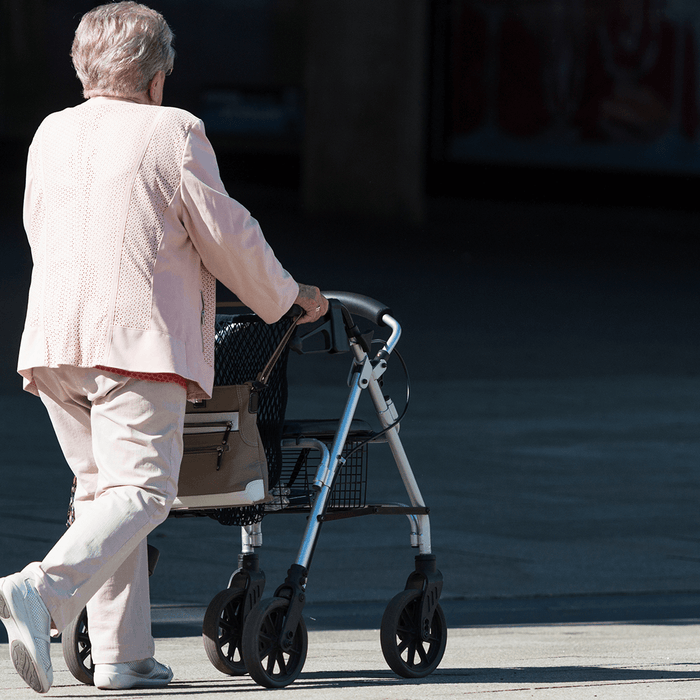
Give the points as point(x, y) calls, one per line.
point(129, 225)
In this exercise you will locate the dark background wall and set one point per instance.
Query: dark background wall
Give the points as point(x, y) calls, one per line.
point(365, 108)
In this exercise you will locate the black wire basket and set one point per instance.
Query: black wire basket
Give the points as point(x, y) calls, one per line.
point(294, 490)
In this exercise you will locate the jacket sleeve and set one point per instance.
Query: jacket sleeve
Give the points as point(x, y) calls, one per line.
point(228, 239)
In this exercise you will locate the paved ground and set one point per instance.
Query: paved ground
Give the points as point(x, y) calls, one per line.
point(553, 429)
point(573, 661)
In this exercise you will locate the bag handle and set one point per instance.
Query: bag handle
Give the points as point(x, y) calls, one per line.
point(264, 376)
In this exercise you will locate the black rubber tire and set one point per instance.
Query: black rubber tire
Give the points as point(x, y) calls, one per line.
point(76, 647)
point(222, 631)
point(407, 654)
point(268, 663)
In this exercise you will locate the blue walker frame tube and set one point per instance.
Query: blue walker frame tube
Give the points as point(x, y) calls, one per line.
point(365, 376)
point(313, 525)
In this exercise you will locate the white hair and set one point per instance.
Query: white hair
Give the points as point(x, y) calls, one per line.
point(119, 47)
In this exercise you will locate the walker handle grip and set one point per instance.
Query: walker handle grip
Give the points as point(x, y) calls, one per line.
point(360, 305)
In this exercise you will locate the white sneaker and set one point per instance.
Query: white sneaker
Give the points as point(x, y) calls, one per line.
point(147, 673)
point(28, 625)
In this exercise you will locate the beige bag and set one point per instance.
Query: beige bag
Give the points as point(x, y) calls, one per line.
point(224, 463)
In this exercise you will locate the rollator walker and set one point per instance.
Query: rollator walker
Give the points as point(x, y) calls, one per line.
point(316, 467)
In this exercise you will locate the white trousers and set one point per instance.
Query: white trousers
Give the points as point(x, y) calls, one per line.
point(122, 438)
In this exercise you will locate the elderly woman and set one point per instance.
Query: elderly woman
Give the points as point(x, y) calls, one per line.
point(129, 226)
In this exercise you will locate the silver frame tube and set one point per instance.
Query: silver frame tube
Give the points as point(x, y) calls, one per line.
point(404, 467)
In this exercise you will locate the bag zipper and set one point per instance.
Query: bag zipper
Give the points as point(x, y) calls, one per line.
point(219, 449)
point(208, 449)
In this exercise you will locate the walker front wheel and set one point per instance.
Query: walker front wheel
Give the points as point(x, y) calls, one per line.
point(77, 649)
point(222, 632)
point(409, 652)
point(270, 662)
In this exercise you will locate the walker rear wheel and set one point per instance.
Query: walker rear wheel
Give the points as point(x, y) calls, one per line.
point(222, 631)
point(269, 662)
point(408, 653)
point(77, 649)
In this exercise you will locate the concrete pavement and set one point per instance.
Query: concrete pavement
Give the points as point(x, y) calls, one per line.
point(572, 661)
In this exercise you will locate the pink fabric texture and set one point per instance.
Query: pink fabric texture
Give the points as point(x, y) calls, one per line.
point(129, 225)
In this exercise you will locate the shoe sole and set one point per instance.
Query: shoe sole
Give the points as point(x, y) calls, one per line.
point(22, 660)
point(129, 682)
point(25, 667)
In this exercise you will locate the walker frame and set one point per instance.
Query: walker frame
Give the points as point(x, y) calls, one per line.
point(267, 638)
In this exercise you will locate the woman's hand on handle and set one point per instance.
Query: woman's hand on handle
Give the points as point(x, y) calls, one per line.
point(310, 299)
